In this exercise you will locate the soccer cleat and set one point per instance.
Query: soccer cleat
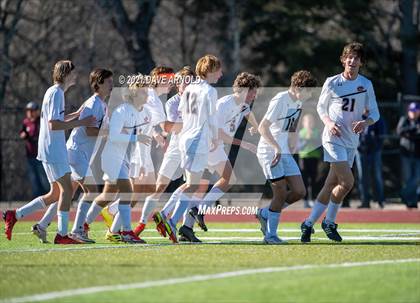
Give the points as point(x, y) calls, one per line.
point(139, 229)
point(183, 239)
point(274, 241)
point(59, 239)
point(189, 234)
point(82, 237)
point(160, 223)
point(9, 217)
point(114, 238)
point(307, 231)
point(330, 230)
point(263, 221)
point(39, 232)
point(107, 216)
point(199, 218)
point(131, 237)
point(171, 231)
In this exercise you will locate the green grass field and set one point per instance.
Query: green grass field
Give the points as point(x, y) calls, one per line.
point(375, 263)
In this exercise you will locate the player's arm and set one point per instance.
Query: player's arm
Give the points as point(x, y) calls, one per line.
point(61, 125)
point(234, 141)
point(254, 124)
point(173, 127)
point(322, 109)
point(264, 130)
point(212, 118)
point(373, 116)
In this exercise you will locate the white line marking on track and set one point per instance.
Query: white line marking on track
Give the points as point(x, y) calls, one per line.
point(195, 278)
point(212, 240)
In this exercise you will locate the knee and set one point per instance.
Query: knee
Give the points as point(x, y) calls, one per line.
point(347, 183)
point(300, 193)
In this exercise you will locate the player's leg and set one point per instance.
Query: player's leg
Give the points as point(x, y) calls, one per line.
point(122, 221)
point(147, 185)
point(319, 206)
point(64, 201)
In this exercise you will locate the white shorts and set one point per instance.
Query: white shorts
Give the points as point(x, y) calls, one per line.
point(171, 165)
point(194, 162)
point(286, 167)
point(217, 156)
point(55, 171)
point(117, 169)
point(79, 164)
point(338, 153)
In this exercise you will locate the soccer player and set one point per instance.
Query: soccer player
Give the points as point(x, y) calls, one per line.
point(230, 110)
point(274, 155)
point(199, 133)
point(81, 146)
point(145, 180)
point(124, 131)
point(53, 154)
point(344, 99)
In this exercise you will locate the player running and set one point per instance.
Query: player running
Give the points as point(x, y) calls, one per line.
point(274, 155)
point(199, 133)
point(82, 146)
point(53, 154)
point(124, 132)
point(344, 99)
point(230, 111)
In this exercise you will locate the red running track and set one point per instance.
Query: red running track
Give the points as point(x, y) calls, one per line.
point(344, 216)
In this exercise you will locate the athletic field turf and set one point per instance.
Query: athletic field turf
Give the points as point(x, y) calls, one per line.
point(375, 263)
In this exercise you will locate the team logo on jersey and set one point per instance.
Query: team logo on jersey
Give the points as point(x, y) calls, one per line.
point(360, 89)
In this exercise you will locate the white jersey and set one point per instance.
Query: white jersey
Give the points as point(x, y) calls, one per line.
point(155, 107)
point(121, 142)
point(344, 101)
point(52, 143)
point(174, 115)
point(143, 126)
point(198, 108)
point(79, 140)
point(230, 114)
point(284, 114)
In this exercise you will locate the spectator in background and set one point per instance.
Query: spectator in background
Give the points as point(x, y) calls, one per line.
point(309, 154)
point(29, 132)
point(368, 160)
point(409, 131)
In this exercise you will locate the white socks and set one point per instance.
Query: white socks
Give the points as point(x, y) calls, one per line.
point(34, 205)
point(82, 209)
point(113, 207)
point(124, 211)
point(170, 205)
point(48, 216)
point(316, 212)
point(148, 207)
point(332, 212)
point(93, 212)
point(116, 224)
point(212, 196)
point(63, 222)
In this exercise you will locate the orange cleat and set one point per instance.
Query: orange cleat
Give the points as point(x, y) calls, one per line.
point(9, 217)
point(59, 239)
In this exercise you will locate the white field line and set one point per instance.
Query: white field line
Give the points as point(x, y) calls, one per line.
point(285, 230)
point(210, 241)
point(195, 278)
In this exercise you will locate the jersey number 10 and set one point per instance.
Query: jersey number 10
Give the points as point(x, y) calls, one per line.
point(346, 102)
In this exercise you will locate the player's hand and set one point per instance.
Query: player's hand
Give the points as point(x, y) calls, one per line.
point(277, 156)
point(89, 121)
point(249, 146)
point(214, 144)
point(252, 131)
point(146, 140)
point(161, 141)
point(334, 129)
point(359, 126)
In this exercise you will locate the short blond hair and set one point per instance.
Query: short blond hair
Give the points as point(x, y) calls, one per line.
point(303, 78)
point(132, 90)
point(61, 70)
point(246, 81)
point(207, 64)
